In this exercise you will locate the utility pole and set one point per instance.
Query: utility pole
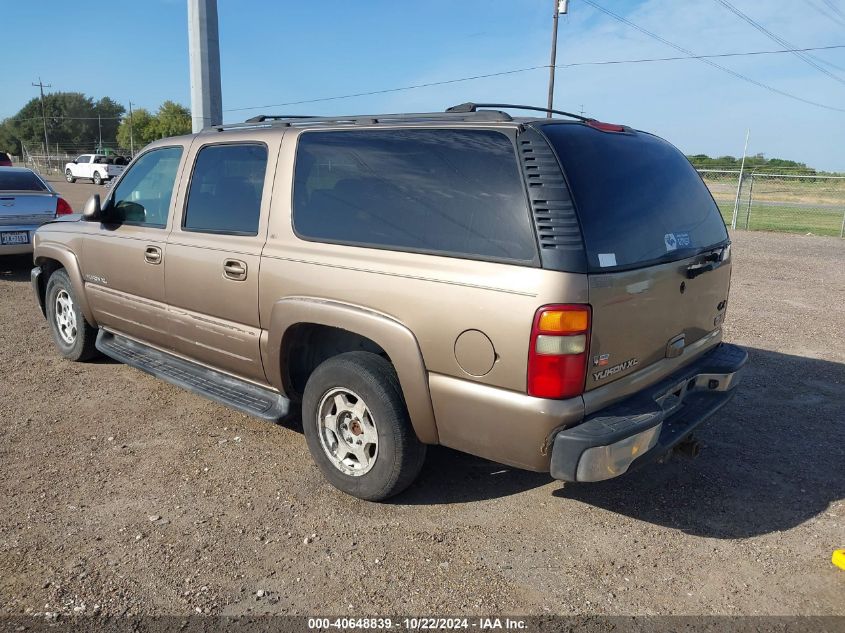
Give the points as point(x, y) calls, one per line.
point(739, 184)
point(41, 85)
point(100, 127)
point(204, 55)
point(561, 6)
point(131, 133)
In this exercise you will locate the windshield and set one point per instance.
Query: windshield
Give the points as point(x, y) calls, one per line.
point(20, 181)
point(637, 197)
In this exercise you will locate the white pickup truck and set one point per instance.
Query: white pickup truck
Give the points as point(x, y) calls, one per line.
point(98, 167)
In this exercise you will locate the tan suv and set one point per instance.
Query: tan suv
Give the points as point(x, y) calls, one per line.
point(543, 292)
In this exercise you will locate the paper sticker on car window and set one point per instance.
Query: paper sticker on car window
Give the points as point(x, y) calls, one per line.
point(607, 259)
point(675, 241)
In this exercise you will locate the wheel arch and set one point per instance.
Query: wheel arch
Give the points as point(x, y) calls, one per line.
point(52, 257)
point(398, 343)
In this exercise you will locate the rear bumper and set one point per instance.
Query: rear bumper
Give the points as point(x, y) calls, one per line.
point(648, 424)
point(17, 249)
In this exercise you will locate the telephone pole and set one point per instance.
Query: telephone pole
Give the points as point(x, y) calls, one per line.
point(204, 55)
point(561, 6)
point(131, 134)
point(41, 85)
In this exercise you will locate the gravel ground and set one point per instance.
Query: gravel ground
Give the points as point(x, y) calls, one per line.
point(121, 494)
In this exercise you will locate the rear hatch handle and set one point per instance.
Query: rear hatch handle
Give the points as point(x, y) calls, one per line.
point(710, 262)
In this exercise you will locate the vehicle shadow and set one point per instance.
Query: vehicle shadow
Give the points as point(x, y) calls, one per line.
point(15, 267)
point(772, 459)
point(453, 477)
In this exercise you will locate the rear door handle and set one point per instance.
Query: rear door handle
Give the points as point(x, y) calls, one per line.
point(234, 269)
point(152, 255)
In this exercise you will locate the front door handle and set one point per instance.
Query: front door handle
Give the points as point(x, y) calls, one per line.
point(234, 269)
point(152, 255)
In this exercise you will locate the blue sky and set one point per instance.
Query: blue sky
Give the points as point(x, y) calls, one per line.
point(280, 52)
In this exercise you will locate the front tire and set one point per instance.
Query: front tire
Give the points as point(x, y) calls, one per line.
point(73, 335)
point(69, 176)
point(98, 179)
point(357, 427)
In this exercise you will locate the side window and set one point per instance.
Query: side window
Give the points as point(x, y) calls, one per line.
point(83, 159)
point(225, 191)
point(456, 192)
point(143, 194)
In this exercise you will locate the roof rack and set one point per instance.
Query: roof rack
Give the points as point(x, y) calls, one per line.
point(275, 117)
point(285, 120)
point(473, 107)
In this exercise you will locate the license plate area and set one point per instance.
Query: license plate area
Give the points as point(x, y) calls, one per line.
point(10, 238)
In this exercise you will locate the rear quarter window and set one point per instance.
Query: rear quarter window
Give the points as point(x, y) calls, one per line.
point(637, 197)
point(451, 192)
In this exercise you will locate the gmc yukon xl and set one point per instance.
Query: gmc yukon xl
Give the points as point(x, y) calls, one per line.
point(546, 293)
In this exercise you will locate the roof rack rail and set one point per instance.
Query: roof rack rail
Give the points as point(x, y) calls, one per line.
point(277, 117)
point(473, 107)
point(265, 120)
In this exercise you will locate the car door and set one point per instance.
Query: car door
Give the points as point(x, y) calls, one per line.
point(123, 262)
point(214, 252)
point(83, 166)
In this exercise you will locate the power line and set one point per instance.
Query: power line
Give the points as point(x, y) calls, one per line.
point(830, 16)
point(530, 68)
point(733, 73)
point(834, 8)
point(778, 40)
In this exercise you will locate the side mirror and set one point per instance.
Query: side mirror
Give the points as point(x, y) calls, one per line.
point(92, 211)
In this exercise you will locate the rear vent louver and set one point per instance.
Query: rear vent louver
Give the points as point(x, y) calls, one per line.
point(558, 231)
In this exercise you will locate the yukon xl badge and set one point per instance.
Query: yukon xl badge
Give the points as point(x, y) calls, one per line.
point(604, 373)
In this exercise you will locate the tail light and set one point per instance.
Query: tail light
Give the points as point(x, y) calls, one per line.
point(606, 127)
point(62, 207)
point(557, 356)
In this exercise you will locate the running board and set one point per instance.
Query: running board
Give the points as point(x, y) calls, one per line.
point(233, 392)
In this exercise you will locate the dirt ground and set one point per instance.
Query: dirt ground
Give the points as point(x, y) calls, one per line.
point(121, 494)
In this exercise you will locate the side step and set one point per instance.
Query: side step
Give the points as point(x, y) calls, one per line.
point(238, 394)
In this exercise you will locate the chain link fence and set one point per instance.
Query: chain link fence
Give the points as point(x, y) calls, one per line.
point(53, 164)
point(793, 203)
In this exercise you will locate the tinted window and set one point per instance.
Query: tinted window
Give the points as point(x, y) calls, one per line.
point(20, 181)
point(443, 191)
point(83, 159)
point(143, 194)
point(225, 194)
point(638, 198)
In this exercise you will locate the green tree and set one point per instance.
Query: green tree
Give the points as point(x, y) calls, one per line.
point(172, 119)
point(143, 130)
point(110, 113)
point(71, 121)
point(9, 139)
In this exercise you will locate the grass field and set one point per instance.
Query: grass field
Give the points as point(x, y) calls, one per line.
point(787, 205)
point(785, 218)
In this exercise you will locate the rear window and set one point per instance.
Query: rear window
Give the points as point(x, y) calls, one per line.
point(20, 181)
point(638, 198)
point(452, 192)
point(226, 187)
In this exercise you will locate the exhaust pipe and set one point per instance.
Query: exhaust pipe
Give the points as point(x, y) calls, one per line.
point(689, 447)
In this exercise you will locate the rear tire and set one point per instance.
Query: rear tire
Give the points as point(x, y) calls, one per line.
point(69, 176)
point(98, 180)
point(357, 427)
point(73, 335)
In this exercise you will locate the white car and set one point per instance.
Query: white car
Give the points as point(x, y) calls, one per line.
point(98, 167)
